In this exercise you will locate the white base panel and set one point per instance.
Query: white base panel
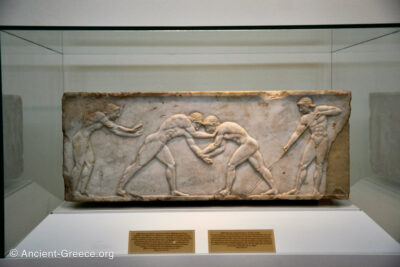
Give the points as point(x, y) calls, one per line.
point(339, 229)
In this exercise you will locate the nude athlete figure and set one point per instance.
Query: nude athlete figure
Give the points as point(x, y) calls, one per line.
point(82, 148)
point(248, 150)
point(315, 119)
point(155, 146)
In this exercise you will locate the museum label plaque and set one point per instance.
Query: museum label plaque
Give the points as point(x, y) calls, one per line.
point(144, 242)
point(206, 145)
point(241, 241)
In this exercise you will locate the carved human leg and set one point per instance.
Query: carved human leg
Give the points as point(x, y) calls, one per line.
point(239, 156)
point(76, 175)
point(257, 161)
point(81, 155)
point(85, 177)
point(321, 152)
point(84, 163)
point(146, 153)
point(306, 159)
point(167, 159)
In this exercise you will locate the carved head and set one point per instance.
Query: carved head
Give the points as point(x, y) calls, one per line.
point(112, 111)
point(211, 123)
point(305, 105)
point(196, 119)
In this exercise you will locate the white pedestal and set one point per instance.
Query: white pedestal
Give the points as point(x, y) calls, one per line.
point(330, 234)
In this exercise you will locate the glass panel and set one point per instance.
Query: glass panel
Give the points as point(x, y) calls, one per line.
point(38, 66)
point(197, 60)
point(370, 69)
point(51, 40)
point(345, 38)
point(32, 90)
point(197, 42)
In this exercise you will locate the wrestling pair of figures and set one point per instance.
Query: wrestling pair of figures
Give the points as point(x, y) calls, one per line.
point(179, 125)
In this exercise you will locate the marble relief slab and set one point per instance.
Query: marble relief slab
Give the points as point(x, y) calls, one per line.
point(13, 133)
point(206, 145)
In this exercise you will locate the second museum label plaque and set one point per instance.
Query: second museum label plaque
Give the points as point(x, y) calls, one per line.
point(241, 241)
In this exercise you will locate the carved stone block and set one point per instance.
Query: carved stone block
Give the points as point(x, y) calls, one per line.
point(13, 136)
point(385, 134)
point(206, 145)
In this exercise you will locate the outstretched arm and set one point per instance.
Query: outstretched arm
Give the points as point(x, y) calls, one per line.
point(328, 110)
point(218, 150)
point(190, 141)
point(219, 140)
point(293, 138)
point(121, 130)
point(198, 134)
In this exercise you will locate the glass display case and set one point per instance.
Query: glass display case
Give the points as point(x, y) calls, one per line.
point(38, 66)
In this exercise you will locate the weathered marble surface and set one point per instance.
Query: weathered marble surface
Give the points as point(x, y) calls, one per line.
point(385, 134)
point(206, 145)
point(13, 134)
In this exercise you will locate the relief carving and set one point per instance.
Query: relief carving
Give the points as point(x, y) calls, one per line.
point(314, 119)
point(217, 145)
point(155, 146)
point(248, 150)
point(83, 155)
